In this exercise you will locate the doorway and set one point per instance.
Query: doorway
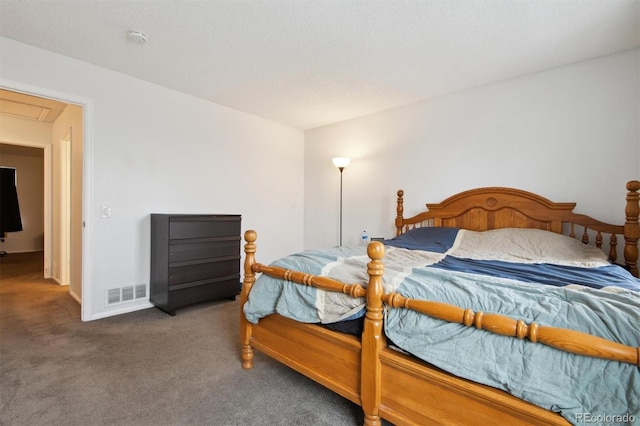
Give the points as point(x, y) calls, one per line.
point(64, 248)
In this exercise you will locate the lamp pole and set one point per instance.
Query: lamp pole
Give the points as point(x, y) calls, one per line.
point(341, 163)
point(341, 169)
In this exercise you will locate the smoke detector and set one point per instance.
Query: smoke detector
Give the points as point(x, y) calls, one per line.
point(137, 36)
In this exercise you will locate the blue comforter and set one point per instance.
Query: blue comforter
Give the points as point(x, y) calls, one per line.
point(598, 298)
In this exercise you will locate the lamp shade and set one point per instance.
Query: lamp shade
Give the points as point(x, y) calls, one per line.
point(341, 162)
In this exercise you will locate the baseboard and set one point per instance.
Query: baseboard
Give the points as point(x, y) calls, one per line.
point(122, 310)
point(75, 297)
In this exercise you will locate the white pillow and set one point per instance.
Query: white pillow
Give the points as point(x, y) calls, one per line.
point(521, 245)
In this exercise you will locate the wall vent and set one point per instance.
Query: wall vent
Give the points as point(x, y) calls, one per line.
point(113, 296)
point(126, 293)
point(141, 291)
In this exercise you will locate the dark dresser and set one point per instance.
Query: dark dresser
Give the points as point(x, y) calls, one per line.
point(194, 258)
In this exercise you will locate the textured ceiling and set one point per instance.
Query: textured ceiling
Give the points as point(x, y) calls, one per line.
point(309, 63)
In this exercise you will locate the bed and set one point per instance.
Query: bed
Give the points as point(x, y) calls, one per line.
point(388, 382)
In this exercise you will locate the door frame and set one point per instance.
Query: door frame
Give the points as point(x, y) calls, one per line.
point(87, 179)
point(65, 210)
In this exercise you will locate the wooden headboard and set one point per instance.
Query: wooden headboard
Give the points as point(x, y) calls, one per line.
point(482, 209)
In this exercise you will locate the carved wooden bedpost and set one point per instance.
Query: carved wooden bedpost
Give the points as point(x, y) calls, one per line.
point(399, 212)
point(249, 278)
point(372, 338)
point(632, 228)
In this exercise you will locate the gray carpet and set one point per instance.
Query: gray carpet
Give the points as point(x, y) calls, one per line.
point(143, 368)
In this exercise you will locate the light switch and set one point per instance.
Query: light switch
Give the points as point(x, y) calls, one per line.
point(105, 211)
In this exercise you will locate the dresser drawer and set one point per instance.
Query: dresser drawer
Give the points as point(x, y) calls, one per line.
point(190, 295)
point(201, 228)
point(202, 271)
point(179, 251)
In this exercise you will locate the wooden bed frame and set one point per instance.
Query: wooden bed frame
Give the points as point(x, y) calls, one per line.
point(401, 388)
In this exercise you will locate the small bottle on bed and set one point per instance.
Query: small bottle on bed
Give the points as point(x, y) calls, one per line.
point(364, 240)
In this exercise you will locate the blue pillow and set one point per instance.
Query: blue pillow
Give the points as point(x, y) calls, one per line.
point(433, 239)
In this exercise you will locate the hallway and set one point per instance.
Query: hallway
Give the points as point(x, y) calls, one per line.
point(23, 286)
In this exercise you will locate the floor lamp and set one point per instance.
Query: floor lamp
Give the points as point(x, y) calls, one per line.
point(341, 163)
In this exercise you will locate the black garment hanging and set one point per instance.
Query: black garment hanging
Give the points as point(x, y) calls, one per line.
point(10, 220)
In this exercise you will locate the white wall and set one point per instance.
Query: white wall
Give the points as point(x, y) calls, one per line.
point(29, 165)
point(569, 134)
point(154, 150)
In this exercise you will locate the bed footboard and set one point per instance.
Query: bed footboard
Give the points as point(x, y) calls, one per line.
point(248, 281)
point(571, 341)
point(312, 350)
